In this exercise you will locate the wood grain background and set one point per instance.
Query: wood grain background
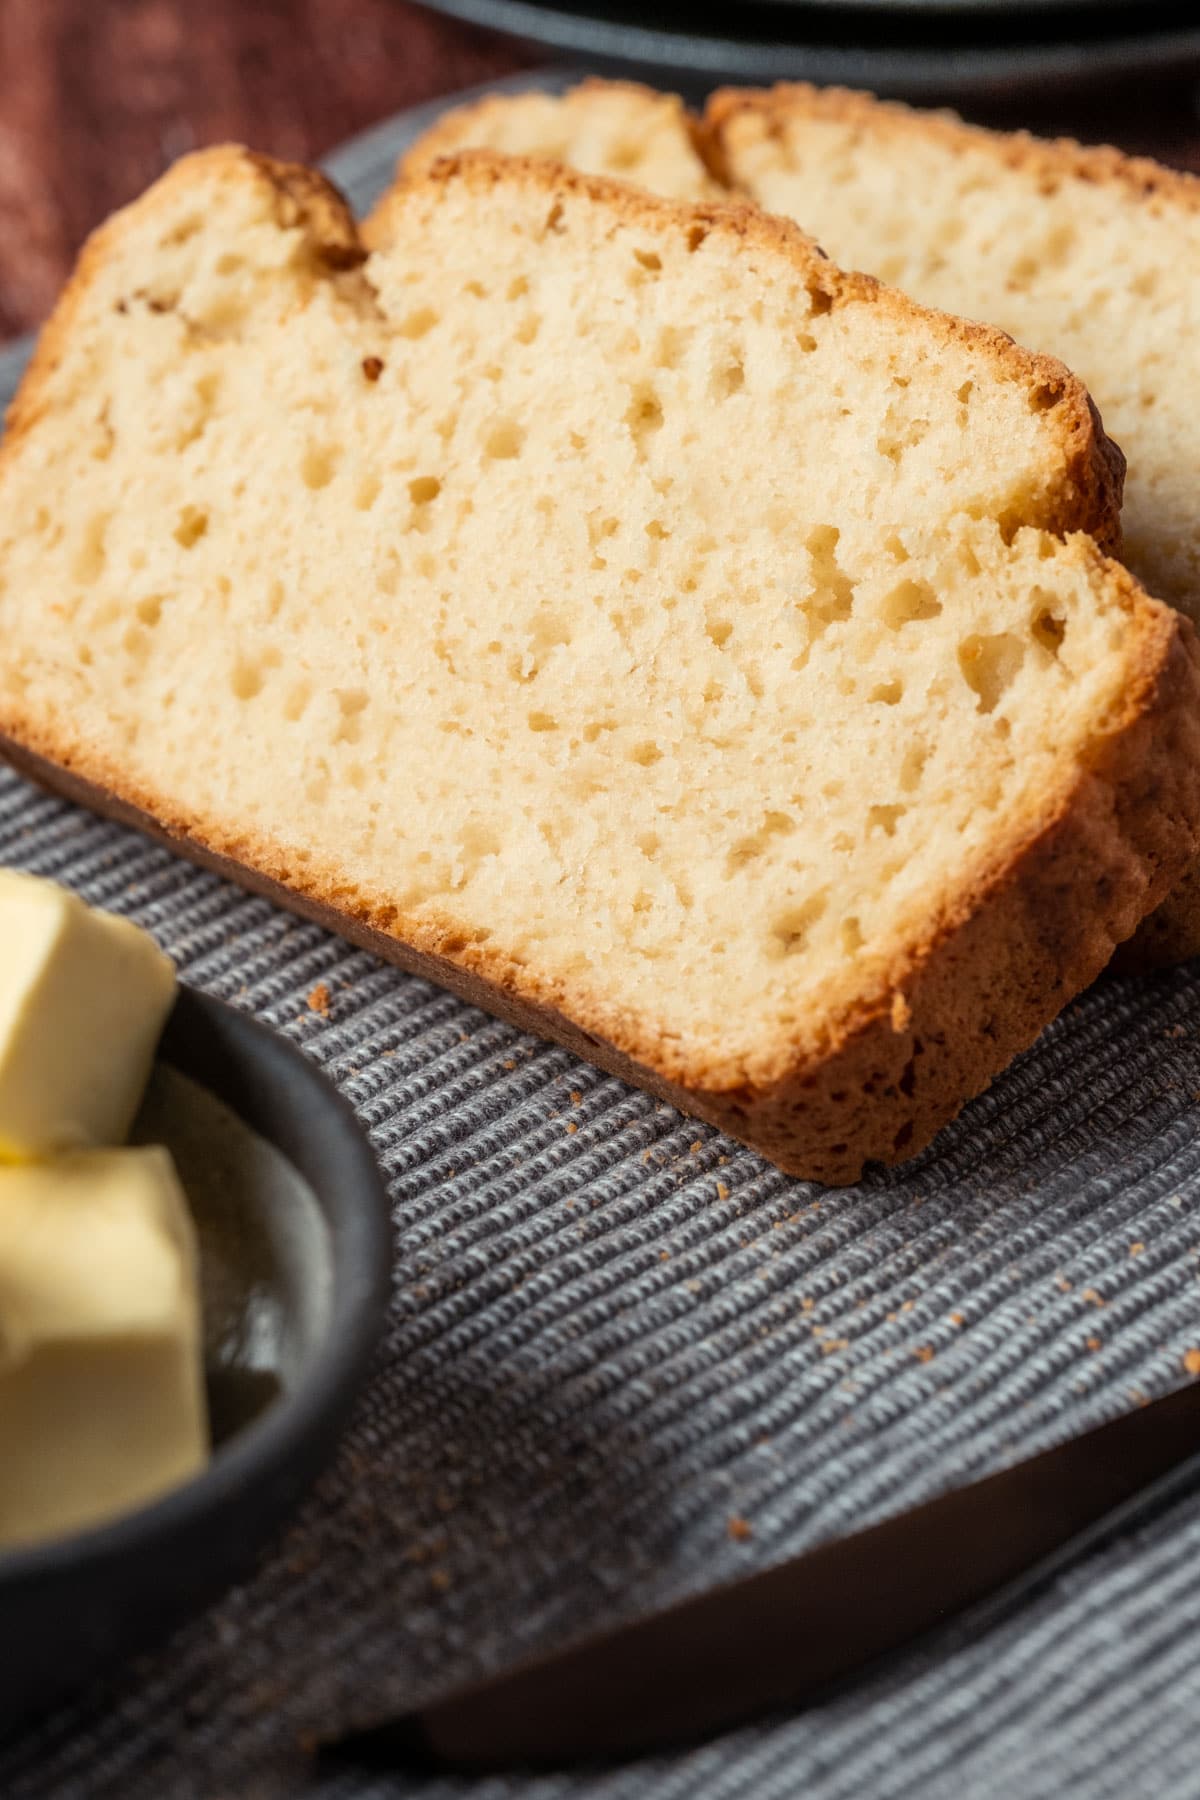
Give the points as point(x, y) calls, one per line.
point(98, 96)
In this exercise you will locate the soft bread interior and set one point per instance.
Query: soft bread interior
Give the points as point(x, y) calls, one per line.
point(1083, 253)
point(598, 594)
point(614, 128)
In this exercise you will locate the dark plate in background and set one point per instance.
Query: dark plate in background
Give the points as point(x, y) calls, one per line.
point(295, 1246)
point(938, 58)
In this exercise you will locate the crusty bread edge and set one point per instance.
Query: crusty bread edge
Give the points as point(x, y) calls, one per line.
point(446, 134)
point(1171, 934)
point(1088, 492)
point(303, 197)
point(932, 1033)
point(1093, 482)
point(1051, 159)
point(1095, 861)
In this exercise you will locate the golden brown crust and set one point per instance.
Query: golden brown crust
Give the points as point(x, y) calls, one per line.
point(455, 129)
point(1006, 954)
point(1086, 490)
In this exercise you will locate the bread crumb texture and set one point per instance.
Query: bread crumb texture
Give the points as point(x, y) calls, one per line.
point(1088, 254)
point(614, 128)
point(608, 601)
point(1083, 252)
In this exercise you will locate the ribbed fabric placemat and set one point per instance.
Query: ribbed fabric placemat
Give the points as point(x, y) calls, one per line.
point(627, 1359)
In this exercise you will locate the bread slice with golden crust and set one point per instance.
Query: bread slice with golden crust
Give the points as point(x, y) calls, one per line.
point(1081, 251)
point(616, 128)
point(1087, 253)
point(608, 608)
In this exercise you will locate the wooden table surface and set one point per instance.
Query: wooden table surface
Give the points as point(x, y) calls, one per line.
point(98, 96)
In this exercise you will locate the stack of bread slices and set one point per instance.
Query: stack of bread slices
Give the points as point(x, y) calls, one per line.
point(581, 590)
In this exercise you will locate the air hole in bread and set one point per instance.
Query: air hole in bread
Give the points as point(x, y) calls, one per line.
point(909, 603)
point(646, 753)
point(91, 558)
point(729, 379)
point(503, 440)
point(644, 414)
point(319, 465)
point(791, 927)
point(885, 819)
point(1047, 629)
point(246, 679)
point(351, 703)
point(191, 526)
point(424, 488)
point(912, 767)
point(832, 595)
point(648, 260)
point(887, 693)
point(989, 665)
point(298, 697)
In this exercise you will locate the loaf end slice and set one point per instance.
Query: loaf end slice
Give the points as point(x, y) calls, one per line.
point(615, 128)
point(611, 610)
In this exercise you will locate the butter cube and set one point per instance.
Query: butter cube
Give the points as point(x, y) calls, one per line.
point(83, 998)
point(102, 1401)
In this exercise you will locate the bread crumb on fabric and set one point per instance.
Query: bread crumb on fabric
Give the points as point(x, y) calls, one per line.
point(739, 1529)
point(1191, 1361)
point(924, 1353)
point(319, 999)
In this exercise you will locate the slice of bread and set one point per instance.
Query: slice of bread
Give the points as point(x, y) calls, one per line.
point(611, 610)
point(616, 128)
point(1089, 254)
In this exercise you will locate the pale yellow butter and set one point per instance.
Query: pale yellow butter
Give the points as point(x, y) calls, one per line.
point(83, 998)
point(101, 1349)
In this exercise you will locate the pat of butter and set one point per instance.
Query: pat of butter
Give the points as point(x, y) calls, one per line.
point(83, 998)
point(101, 1352)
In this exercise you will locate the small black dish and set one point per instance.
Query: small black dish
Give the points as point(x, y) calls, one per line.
point(295, 1250)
